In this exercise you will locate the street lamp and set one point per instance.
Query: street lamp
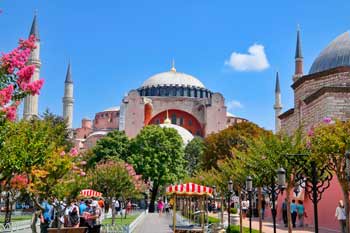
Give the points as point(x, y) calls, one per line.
point(274, 190)
point(230, 190)
point(249, 187)
point(347, 163)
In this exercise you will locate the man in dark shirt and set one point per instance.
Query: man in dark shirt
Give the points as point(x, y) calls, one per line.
point(263, 205)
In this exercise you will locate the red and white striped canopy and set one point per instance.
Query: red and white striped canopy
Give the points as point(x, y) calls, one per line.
point(189, 189)
point(90, 193)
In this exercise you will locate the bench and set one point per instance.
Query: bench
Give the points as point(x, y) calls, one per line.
point(68, 230)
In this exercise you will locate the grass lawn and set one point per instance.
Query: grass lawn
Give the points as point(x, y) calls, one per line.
point(235, 229)
point(16, 218)
point(121, 221)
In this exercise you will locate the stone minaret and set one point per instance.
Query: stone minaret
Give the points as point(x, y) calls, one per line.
point(298, 59)
point(278, 105)
point(68, 99)
point(30, 108)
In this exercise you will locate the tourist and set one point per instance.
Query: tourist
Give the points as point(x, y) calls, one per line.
point(117, 206)
point(284, 212)
point(263, 205)
point(93, 217)
point(128, 207)
point(72, 216)
point(301, 213)
point(341, 216)
point(160, 206)
point(82, 207)
point(245, 205)
point(294, 212)
point(46, 216)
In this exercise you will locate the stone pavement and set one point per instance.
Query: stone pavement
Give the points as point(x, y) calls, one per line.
point(152, 223)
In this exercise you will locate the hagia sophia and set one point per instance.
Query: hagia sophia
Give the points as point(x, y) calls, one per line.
point(181, 101)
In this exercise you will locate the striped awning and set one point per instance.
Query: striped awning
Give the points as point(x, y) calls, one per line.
point(189, 189)
point(90, 193)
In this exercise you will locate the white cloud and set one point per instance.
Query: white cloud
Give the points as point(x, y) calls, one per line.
point(254, 60)
point(233, 104)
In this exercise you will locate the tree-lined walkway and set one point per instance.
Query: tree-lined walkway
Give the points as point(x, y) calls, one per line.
point(152, 223)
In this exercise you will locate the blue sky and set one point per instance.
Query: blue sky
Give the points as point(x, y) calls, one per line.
point(115, 45)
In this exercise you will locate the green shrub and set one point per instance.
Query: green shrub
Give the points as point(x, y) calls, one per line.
point(213, 220)
point(235, 229)
point(233, 211)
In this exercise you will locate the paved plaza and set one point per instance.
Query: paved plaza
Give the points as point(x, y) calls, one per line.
point(152, 223)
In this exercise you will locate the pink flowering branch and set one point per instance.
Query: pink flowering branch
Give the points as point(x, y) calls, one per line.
point(15, 78)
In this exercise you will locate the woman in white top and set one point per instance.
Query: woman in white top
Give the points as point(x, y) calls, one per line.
point(341, 216)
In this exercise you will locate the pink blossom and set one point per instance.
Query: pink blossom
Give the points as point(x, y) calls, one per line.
point(25, 74)
point(74, 152)
point(75, 168)
point(6, 95)
point(310, 132)
point(308, 144)
point(82, 174)
point(33, 88)
point(10, 112)
point(83, 163)
point(63, 153)
point(29, 43)
point(327, 120)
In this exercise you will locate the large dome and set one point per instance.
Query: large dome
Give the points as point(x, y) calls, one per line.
point(184, 133)
point(336, 54)
point(172, 78)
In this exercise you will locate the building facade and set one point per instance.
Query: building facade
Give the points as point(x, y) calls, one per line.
point(191, 108)
point(323, 92)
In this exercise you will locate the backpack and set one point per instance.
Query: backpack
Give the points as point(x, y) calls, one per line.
point(73, 216)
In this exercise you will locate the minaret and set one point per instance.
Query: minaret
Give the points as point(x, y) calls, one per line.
point(30, 108)
point(298, 58)
point(68, 99)
point(278, 105)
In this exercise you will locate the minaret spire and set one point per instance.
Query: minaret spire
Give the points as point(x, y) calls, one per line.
point(31, 103)
point(68, 99)
point(298, 58)
point(277, 106)
point(173, 69)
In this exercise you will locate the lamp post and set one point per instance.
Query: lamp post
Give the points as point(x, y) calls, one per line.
point(314, 183)
point(275, 190)
point(347, 163)
point(249, 187)
point(230, 190)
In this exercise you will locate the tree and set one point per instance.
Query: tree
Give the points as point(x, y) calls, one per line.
point(329, 142)
point(113, 179)
point(116, 144)
point(158, 155)
point(193, 152)
point(218, 146)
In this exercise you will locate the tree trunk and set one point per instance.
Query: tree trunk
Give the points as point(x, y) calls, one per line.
point(36, 214)
point(240, 213)
point(153, 198)
point(259, 209)
point(113, 210)
point(8, 209)
point(289, 216)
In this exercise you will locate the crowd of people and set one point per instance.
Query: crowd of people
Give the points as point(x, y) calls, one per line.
point(86, 213)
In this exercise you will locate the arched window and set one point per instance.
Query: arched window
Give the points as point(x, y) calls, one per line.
point(173, 119)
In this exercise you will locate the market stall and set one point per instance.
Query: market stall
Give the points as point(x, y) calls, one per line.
point(191, 199)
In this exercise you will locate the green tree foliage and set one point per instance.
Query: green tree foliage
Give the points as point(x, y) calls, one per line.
point(158, 155)
point(219, 146)
point(193, 152)
point(113, 180)
point(115, 145)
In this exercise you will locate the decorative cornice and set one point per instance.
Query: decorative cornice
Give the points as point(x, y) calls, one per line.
point(320, 75)
point(323, 90)
point(286, 114)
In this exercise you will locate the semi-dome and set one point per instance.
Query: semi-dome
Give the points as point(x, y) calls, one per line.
point(172, 78)
point(336, 54)
point(184, 133)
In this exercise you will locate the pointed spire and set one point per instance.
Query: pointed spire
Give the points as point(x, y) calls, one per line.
point(298, 53)
point(167, 120)
point(173, 69)
point(277, 88)
point(69, 75)
point(34, 30)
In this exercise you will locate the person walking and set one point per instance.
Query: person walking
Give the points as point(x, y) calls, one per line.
point(160, 207)
point(284, 212)
point(341, 216)
point(294, 212)
point(301, 213)
point(263, 205)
